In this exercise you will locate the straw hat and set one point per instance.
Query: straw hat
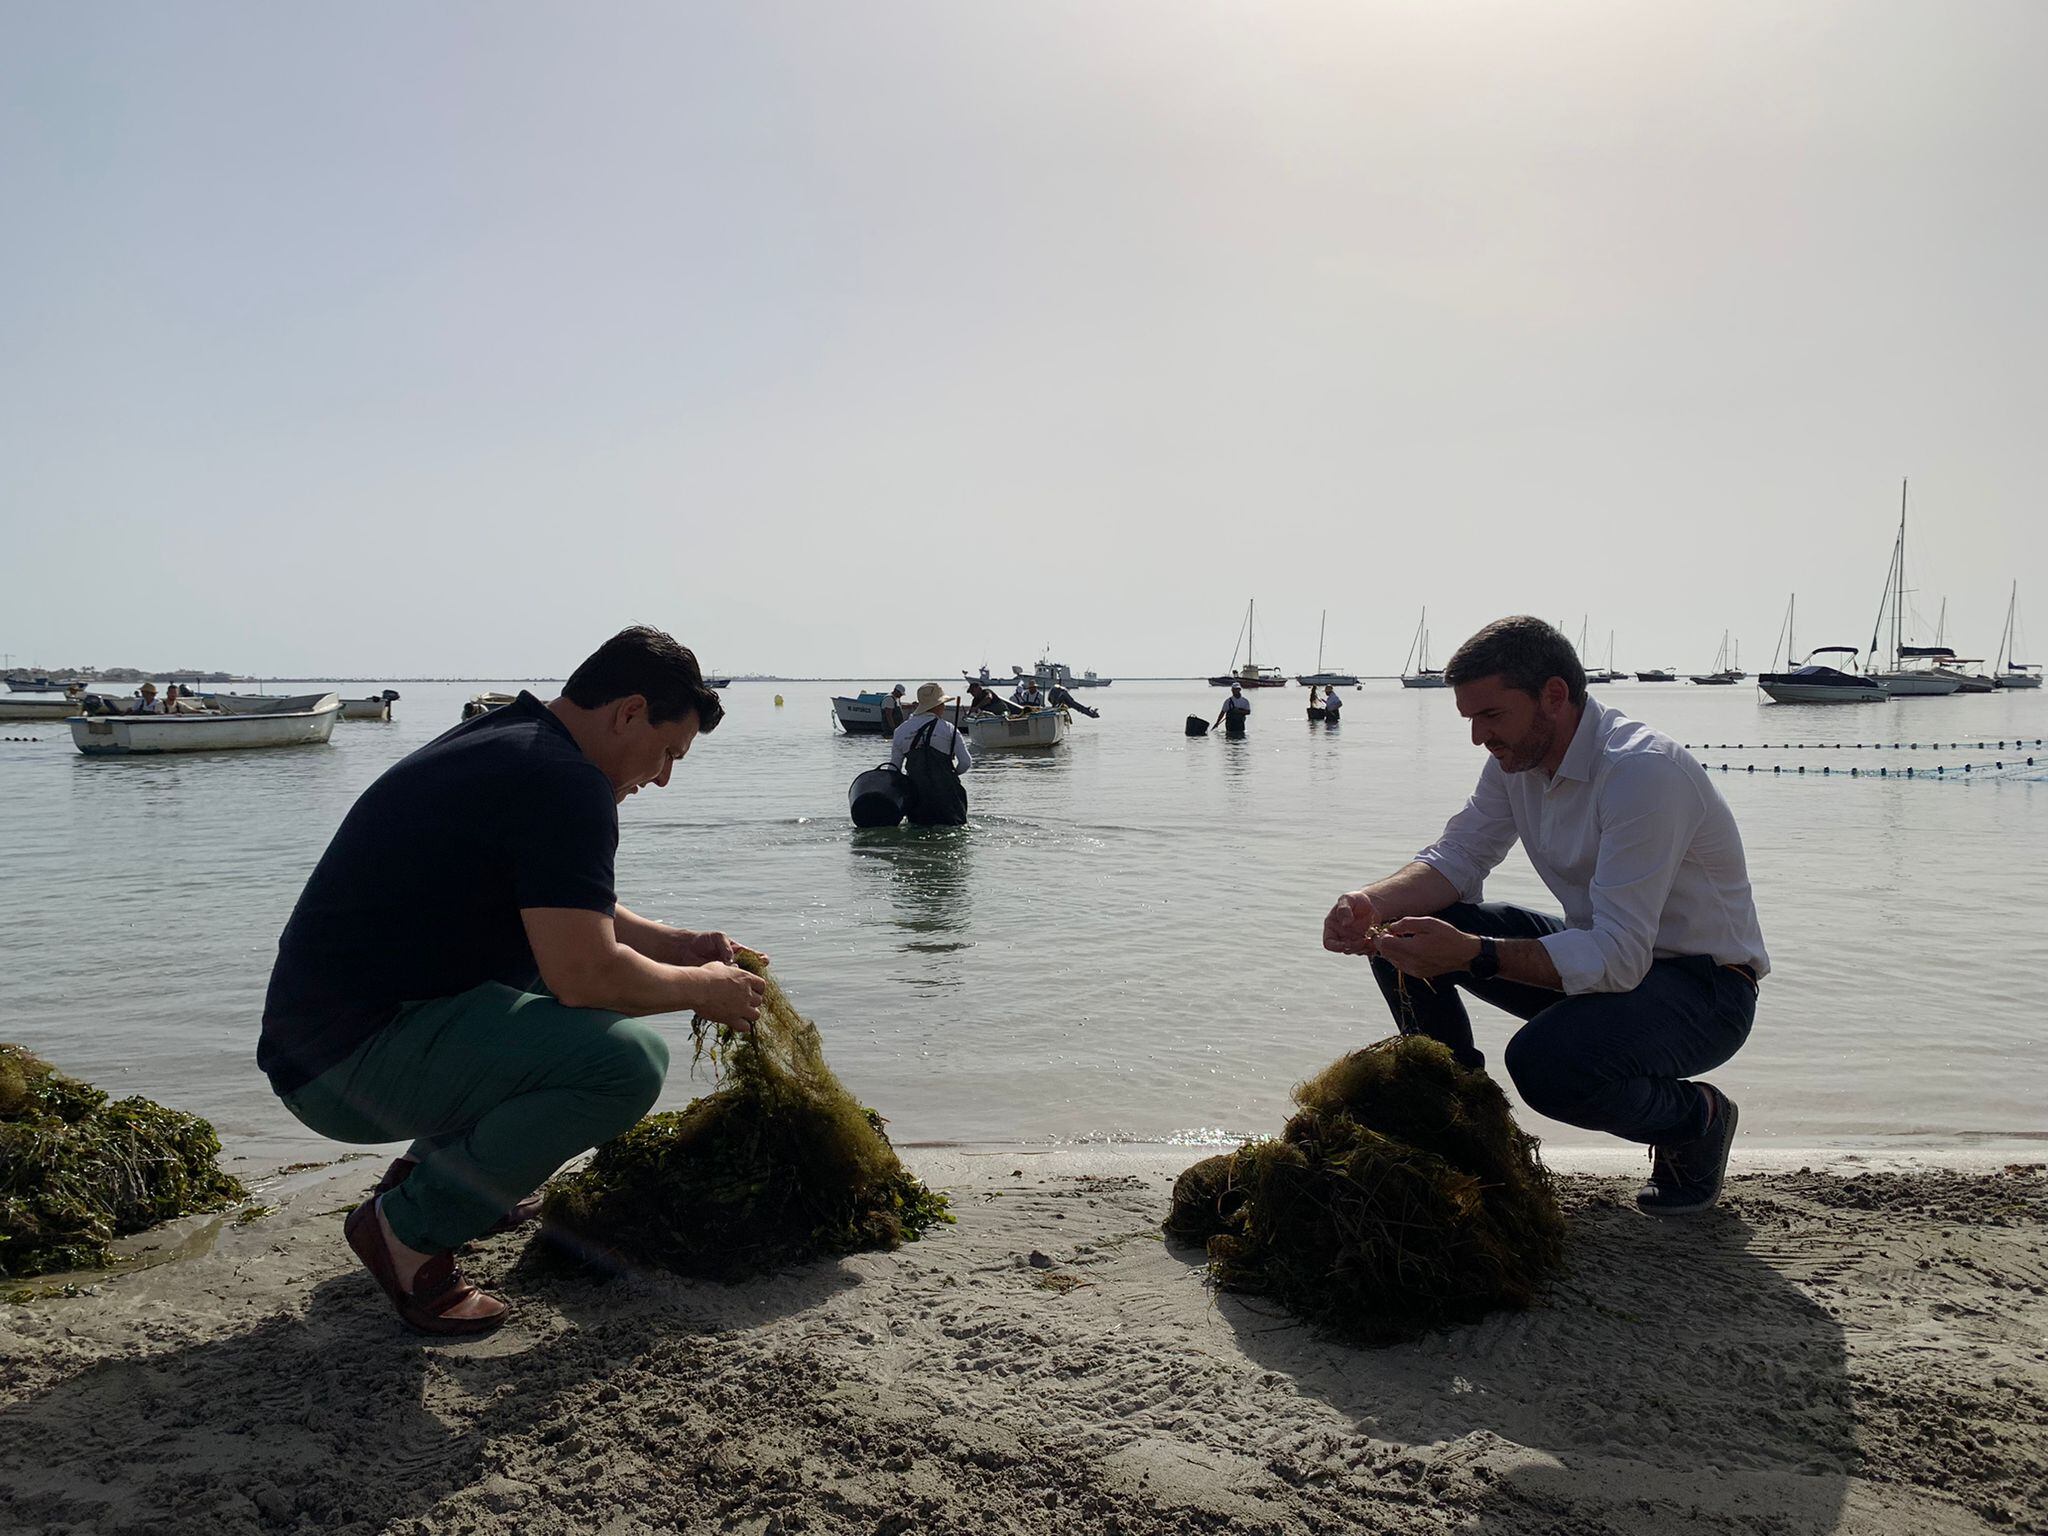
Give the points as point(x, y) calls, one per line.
point(930, 696)
point(149, 687)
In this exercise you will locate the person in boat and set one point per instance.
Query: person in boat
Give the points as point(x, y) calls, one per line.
point(1649, 978)
point(983, 700)
point(1027, 692)
point(932, 754)
point(147, 703)
point(459, 972)
point(1059, 698)
point(1235, 713)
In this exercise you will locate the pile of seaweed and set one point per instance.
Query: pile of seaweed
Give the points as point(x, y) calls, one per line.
point(76, 1172)
point(777, 1166)
point(1401, 1197)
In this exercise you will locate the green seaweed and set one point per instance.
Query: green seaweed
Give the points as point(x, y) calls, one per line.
point(777, 1166)
point(76, 1171)
point(1399, 1198)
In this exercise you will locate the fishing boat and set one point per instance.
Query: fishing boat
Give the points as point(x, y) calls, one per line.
point(1657, 675)
point(29, 706)
point(484, 703)
point(375, 707)
point(1319, 678)
point(41, 682)
point(1033, 729)
point(139, 735)
point(861, 715)
point(1909, 671)
point(1250, 675)
point(1815, 682)
point(1416, 672)
point(2009, 673)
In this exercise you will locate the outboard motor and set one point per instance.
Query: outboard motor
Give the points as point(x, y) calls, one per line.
point(879, 797)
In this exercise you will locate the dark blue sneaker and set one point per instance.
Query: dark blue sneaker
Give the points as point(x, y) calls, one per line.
point(1685, 1177)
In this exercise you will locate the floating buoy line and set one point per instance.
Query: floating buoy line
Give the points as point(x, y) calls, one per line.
point(2015, 770)
point(2017, 744)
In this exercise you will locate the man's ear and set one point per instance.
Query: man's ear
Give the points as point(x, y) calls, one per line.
point(1557, 693)
point(627, 710)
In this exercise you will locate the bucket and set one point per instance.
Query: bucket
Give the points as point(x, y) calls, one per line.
point(1197, 726)
point(878, 798)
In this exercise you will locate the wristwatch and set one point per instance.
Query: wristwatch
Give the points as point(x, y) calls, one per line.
point(1486, 964)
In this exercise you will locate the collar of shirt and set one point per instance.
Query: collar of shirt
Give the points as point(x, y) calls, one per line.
point(1587, 741)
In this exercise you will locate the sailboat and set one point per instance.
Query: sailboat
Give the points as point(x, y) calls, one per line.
point(1423, 675)
point(1966, 681)
point(1813, 681)
point(2008, 672)
point(1250, 675)
point(1319, 678)
point(1900, 680)
point(1723, 674)
point(1605, 674)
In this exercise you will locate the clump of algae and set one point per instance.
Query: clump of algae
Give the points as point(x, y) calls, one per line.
point(777, 1166)
point(76, 1171)
point(1400, 1197)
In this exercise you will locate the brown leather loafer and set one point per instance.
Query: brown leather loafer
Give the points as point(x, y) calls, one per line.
point(526, 1210)
point(440, 1301)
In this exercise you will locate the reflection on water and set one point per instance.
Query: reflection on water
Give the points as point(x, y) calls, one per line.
point(930, 885)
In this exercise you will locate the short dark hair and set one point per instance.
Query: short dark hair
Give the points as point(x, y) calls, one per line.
point(1524, 652)
point(642, 659)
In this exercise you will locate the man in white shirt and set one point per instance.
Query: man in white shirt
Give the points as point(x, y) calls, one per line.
point(1027, 693)
point(1651, 975)
point(932, 755)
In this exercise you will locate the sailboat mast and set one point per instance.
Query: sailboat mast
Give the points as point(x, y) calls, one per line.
point(1319, 639)
point(1899, 593)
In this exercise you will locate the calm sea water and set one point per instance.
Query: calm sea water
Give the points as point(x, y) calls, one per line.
point(1125, 943)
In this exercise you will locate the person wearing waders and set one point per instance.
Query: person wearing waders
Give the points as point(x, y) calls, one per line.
point(932, 755)
point(1236, 711)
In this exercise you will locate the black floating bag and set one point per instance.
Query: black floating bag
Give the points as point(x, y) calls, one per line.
point(878, 798)
point(1197, 726)
point(937, 797)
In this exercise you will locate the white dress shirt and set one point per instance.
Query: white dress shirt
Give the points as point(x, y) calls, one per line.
point(1631, 837)
point(943, 738)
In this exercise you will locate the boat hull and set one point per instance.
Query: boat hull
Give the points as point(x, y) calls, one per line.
point(262, 703)
point(1001, 733)
point(1328, 680)
point(2019, 679)
point(366, 709)
point(1424, 680)
point(148, 735)
point(1917, 685)
point(1792, 691)
point(24, 706)
point(857, 717)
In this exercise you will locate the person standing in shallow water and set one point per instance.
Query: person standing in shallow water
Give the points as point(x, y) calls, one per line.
point(1652, 974)
point(459, 972)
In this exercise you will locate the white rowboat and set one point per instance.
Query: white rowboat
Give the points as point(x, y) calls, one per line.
point(997, 733)
point(135, 735)
point(27, 706)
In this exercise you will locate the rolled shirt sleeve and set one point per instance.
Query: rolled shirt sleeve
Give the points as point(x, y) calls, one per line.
point(1649, 813)
point(1476, 839)
point(963, 759)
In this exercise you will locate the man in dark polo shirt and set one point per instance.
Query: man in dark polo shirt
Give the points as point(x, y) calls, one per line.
point(459, 972)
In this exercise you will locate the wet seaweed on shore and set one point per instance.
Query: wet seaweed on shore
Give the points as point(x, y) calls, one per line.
point(76, 1171)
point(1400, 1197)
point(778, 1165)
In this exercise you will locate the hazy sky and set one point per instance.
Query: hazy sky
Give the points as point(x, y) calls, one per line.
point(878, 338)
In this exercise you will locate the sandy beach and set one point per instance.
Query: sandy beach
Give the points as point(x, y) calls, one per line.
point(1834, 1350)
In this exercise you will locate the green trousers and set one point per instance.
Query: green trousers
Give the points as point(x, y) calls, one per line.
point(496, 1088)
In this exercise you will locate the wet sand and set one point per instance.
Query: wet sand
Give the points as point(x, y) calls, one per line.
point(1834, 1350)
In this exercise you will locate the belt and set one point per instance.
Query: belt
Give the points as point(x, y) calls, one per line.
point(1746, 972)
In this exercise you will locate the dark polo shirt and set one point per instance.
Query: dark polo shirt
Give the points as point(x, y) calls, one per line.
point(419, 894)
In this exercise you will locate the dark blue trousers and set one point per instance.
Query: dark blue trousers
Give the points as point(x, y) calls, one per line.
point(1607, 1061)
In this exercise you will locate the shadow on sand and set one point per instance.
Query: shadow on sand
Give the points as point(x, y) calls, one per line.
point(1672, 1381)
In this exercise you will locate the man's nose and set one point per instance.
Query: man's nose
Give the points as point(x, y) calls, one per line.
point(661, 778)
point(1476, 734)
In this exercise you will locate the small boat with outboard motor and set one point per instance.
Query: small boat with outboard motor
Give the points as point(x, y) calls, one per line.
point(302, 721)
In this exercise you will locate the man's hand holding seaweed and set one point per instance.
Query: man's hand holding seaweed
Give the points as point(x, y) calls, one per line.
point(1426, 947)
point(729, 996)
point(1352, 924)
